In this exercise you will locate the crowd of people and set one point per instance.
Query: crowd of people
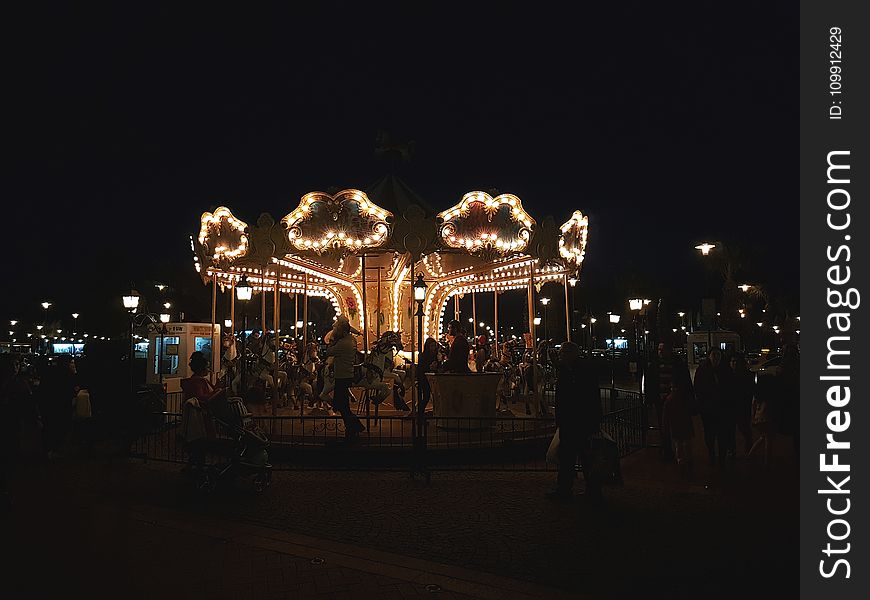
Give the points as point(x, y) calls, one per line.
point(728, 398)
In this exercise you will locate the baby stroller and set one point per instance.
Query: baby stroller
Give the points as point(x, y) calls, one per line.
point(246, 454)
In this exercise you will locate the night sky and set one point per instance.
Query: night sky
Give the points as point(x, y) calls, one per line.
point(668, 126)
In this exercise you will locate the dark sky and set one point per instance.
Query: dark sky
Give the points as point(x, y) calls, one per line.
point(666, 125)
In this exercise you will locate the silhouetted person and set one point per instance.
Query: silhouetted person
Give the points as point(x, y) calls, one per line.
point(668, 368)
point(744, 393)
point(578, 416)
point(16, 407)
point(677, 413)
point(457, 360)
point(788, 388)
point(426, 364)
point(713, 391)
point(342, 349)
point(56, 392)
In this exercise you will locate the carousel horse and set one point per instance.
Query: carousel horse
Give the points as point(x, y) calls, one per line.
point(228, 358)
point(372, 372)
point(378, 365)
point(261, 368)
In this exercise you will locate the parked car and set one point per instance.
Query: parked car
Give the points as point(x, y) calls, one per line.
point(771, 366)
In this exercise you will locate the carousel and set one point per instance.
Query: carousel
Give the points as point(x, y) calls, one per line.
point(393, 266)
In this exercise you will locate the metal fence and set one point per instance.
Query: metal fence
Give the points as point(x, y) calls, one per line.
point(508, 443)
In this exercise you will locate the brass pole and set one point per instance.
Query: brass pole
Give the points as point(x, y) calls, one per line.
point(362, 309)
point(378, 317)
point(276, 307)
point(473, 315)
point(495, 299)
point(214, 349)
point(567, 309)
point(263, 302)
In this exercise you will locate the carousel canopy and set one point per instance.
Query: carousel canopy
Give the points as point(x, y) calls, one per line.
point(360, 249)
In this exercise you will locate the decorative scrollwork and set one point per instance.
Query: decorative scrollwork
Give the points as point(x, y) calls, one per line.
point(487, 226)
point(342, 224)
point(222, 237)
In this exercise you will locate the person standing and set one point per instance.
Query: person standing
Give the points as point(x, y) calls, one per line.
point(343, 351)
point(713, 391)
point(744, 392)
point(457, 360)
point(425, 364)
point(578, 417)
point(677, 412)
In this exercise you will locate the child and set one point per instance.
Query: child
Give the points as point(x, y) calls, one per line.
point(677, 419)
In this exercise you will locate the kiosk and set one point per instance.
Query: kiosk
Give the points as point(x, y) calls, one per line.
point(168, 361)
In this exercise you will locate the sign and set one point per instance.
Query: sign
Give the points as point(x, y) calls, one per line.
point(171, 349)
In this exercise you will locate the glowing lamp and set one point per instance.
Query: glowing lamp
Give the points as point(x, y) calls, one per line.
point(545, 301)
point(228, 323)
point(419, 289)
point(745, 287)
point(131, 301)
point(537, 320)
point(244, 291)
point(46, 305)
point(705, 248)
point(13, 323)
point(635, 303)
point(164, 317)
point(614, 318)
point(572, 281)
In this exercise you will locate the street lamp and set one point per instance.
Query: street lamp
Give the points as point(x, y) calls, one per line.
point(545, 302)
point(131, 303)
point(705, 248)
point(75, 317)
point(228, 323)
point(614, 319)
point(419, 297)
point(244, 291)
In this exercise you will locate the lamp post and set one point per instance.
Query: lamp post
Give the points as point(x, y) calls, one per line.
point(164, 319)
point(419, 297)
point(572, 281)
point(614, 319)
point(244, 291)
point(131, 303)
point(545, 302)
point(45, 306)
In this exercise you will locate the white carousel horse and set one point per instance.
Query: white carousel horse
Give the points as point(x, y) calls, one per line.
point(373, 373)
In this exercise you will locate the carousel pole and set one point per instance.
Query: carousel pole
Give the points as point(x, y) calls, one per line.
point(362, 310)
point(214, 348)
point(532, 331)
point(495, 300)
point(456, 306)
point(567, 308)
point(276, 311)
point(378, 318)
point(365, 324)
point(473, 315)
point(305, 311)
point(263, 302)
point(233, 306)
point(414, 390)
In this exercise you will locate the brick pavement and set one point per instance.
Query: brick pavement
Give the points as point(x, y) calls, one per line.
point(723, 533)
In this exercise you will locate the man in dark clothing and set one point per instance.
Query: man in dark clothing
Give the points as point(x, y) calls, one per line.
point(578, 416)
point(457, 360)
point(715, 393)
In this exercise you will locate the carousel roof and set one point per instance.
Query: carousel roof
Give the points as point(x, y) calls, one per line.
point(389, 218)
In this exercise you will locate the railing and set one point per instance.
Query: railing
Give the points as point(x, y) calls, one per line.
point(392, 442)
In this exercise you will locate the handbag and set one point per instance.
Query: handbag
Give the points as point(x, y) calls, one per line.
point(553, 450)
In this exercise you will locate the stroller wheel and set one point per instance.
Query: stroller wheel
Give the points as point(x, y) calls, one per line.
point(207, 482)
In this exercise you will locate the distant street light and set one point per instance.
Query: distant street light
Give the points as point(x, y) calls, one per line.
point(705, 248)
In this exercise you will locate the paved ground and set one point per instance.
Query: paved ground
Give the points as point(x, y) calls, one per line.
point(95, 526)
